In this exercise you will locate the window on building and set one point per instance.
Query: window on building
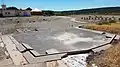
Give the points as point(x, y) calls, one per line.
point(8, 12)
point(5, 12)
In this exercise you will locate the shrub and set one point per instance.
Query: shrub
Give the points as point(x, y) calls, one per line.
point(107, 23)
point(112, 21)
point(100, 23)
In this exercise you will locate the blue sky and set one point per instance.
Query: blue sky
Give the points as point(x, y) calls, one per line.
point(61, 4)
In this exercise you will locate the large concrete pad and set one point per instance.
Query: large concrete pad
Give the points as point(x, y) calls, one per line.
point(62, 40)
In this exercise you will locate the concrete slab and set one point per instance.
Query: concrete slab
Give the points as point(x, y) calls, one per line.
point(15, 55)
point(36, 65)
point(49, 58)
point(109, 35)
point(20, 31)
point(29, 57)
point(94, 31)
point(51, 51)
point(71, 39)
point(19, 46)
point(27, 46)
point(117, 37)
point(35, 53)
point(102, 48)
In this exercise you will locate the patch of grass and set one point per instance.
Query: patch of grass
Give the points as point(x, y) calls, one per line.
point(107, 22)
point(112, 21)
point(111, 58)
point(112, 28)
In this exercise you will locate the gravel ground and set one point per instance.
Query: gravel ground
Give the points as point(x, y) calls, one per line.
point(2, 54)
point(9, 25)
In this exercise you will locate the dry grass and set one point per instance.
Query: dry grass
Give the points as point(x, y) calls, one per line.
point(113, 28)
point(111, 57)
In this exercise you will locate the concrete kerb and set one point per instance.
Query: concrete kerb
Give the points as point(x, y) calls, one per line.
point(74, 20)
point(94, 31)
point(108, 35)
point(15, 55)
point(102, 47)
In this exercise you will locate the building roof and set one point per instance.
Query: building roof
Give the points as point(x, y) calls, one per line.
point(36, 10)
point(12, 8)
point(28, 8)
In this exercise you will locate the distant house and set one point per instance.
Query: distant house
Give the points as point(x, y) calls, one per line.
point(36, 11)
point(13, 11)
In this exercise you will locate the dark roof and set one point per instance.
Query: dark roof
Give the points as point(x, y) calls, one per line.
point(28, 8)
point(11, 8)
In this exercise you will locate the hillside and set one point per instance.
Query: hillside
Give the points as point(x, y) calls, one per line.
point(104, 11)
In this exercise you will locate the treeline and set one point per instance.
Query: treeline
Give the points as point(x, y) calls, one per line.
point(96, 11)
point(104, 11)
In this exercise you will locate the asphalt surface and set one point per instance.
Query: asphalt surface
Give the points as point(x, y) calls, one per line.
point(60, 34)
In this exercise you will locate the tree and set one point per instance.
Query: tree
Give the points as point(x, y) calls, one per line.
point(48, 13)
point(28, 8)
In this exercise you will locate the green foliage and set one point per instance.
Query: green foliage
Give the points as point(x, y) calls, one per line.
point(29, 8)
point(48, 13)
point(105, 11)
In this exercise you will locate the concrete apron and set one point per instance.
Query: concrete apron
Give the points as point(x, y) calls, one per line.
point(22, 54)
point(103, 46)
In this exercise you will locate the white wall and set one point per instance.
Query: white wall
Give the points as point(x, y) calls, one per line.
point(12, 13)
point(15, 12)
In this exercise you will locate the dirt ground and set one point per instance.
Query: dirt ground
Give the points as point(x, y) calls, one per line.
point(9, 25)
point(2, 54)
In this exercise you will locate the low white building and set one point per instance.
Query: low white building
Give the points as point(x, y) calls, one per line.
point(13, 11)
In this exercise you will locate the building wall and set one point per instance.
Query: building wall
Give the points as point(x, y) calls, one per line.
point(9, 13)
point(0, 11)
point(36, 13)
point(23, 12)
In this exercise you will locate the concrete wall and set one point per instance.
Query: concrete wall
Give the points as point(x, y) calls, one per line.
point(9, 13)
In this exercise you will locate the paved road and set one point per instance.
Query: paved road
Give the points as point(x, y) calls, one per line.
point(61, 35)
